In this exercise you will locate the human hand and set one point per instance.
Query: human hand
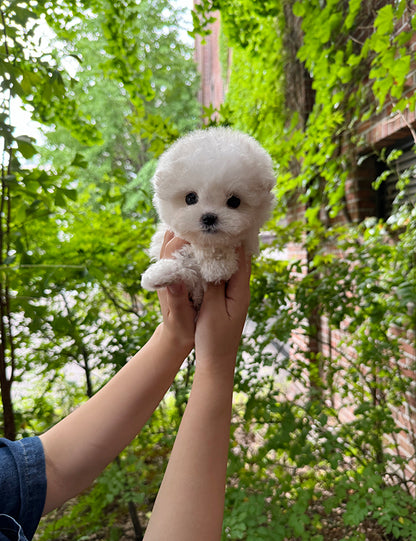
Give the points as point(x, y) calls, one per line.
point(221, 319)
point(177, 310)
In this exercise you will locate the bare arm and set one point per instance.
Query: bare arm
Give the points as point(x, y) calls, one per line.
point(190, 502)
point(80, 446)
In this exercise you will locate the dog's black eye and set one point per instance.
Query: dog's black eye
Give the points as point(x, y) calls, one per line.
point(233, 202)
point(191, 198)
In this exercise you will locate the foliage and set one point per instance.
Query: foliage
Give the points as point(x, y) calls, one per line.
point(76, 215)
point(139, 122)
point(76, 218)
point(71, 258)
point(133, 478)
point(308, 458)
point(305, 78)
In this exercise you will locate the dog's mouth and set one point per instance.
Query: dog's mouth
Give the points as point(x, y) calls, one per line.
point(209, 229)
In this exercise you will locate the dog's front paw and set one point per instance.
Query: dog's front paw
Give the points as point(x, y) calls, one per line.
point(182, 268)
point(161, 274)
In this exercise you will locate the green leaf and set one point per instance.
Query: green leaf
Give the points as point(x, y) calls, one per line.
point(25, 146)
point(79, 161)
point(299, 9)
point(70, 193)
point(354, 7)
point(384, 22)
point(60, 200)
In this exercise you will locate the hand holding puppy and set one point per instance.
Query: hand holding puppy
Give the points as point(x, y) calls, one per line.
point(177, 310)
point(221, 319)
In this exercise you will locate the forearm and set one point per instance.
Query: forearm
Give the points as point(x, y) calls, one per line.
point(79, 447)
point(190, 502)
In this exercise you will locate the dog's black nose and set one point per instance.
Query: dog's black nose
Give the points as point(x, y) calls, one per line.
point(209, 219)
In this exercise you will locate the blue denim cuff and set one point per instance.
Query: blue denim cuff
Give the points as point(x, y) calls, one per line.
point(22, 485)
point(10, 529)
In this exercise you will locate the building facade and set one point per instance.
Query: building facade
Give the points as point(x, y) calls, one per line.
point(386, 130)
point(207, 57)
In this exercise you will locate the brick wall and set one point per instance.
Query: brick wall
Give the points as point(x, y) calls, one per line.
point(207, 57)
point(382, 130)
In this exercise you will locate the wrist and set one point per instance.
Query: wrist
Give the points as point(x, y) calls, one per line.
point(213, 389)
point(218, 368)
point(177, 346)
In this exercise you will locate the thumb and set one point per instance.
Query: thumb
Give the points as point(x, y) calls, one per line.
point(177, 290)
point(178, 296)
point(214, 298)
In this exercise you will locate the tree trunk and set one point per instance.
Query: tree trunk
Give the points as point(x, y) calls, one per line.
point(138, 532)
point(9, 423)
point(6, 338)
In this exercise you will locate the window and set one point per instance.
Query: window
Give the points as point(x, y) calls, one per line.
point(402, 169)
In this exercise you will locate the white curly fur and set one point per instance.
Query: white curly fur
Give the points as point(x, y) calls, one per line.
point(230, 177)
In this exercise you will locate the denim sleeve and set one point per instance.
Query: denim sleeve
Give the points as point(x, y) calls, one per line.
point(22, 488)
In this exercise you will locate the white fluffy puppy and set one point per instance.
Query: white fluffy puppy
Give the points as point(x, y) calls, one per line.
point(212, 189)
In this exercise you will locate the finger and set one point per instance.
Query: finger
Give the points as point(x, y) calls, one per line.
point(179, 301)
point(240, 281)
point(178, 289)
point(172, 245)
point(166, 239)
point(162, 295)
point(174, 298)
point(214, 292)
point(214, 298)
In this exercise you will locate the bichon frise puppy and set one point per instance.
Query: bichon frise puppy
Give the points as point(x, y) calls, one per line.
point(212, 189)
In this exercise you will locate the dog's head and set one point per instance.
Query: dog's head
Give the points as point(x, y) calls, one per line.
point(214, 186)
